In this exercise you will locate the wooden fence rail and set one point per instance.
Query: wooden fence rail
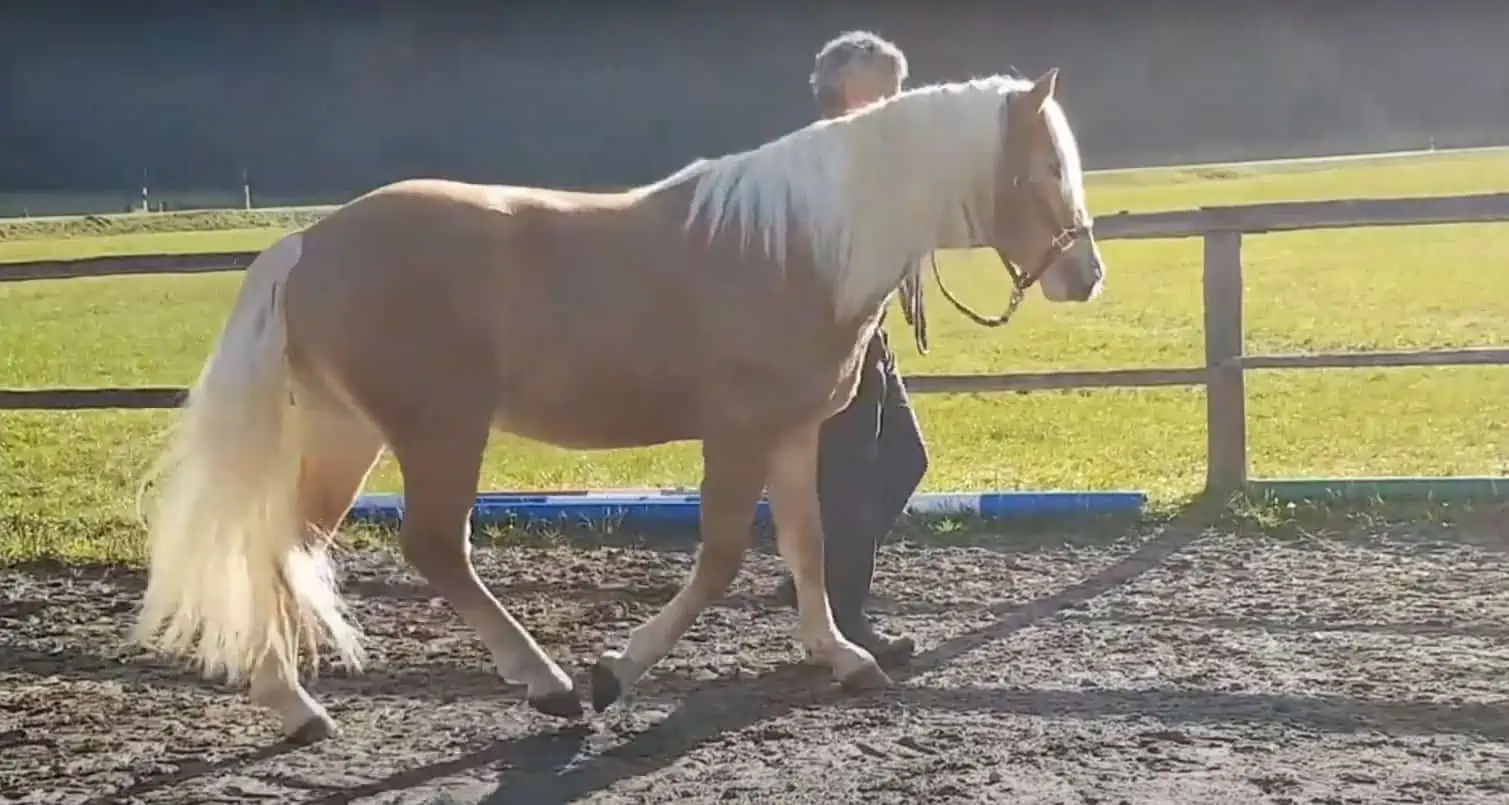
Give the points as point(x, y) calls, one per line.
point(1223, 374)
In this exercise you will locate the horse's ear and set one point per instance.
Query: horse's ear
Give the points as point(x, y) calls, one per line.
point(1043, 88)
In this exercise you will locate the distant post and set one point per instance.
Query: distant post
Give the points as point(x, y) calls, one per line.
point(146, 197)
point(245, 189)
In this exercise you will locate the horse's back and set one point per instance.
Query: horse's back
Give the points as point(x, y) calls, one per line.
point(454, 195)
point(552, 300)
point(584, 319)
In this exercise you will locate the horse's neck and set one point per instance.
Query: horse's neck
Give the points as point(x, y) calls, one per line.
point(911, 199)
point(896, 245)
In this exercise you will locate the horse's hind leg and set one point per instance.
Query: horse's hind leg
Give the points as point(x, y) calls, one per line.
point(440, 468)
point(338, 454)
point(732, 477)
point(792, 487)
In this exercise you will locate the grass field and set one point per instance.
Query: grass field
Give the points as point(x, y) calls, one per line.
point(1357, 289)
point(44, 204)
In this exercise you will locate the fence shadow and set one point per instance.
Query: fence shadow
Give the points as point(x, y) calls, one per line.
point(1438, 630)
point(650, 595)
point(1322, 713)
point(439, 682)
point(190, 771)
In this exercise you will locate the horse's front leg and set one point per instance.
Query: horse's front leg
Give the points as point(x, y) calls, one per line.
point(733, 475)
point(792, 487)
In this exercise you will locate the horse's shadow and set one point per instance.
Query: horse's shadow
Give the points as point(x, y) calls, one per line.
point(563, 765)
point(559, 767)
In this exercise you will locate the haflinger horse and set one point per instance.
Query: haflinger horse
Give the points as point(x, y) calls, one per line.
point(728, 303)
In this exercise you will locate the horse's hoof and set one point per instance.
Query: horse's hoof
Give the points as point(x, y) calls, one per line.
point(606, 687)
point(865, 678)
point(313, 731)
point(562, 704)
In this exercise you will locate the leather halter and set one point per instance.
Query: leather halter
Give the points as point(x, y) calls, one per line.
point(1022, 279)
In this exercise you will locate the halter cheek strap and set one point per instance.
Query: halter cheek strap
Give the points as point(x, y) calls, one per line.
point(1021, 280)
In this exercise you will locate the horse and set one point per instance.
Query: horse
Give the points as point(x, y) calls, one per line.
point(728, 303)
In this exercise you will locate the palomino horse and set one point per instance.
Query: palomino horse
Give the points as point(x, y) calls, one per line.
point(729, 303)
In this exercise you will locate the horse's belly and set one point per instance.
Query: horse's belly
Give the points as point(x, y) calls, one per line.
point(600, 415)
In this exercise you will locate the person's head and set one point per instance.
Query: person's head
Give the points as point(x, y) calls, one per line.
point(855, 69)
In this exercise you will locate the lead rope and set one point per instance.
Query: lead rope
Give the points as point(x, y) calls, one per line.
point(914, 311)
point(1018, 293)
point(916, 315)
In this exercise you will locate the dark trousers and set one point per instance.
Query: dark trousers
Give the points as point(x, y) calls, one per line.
point(870, 460)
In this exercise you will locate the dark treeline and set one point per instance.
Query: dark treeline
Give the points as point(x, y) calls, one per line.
point(581, 94)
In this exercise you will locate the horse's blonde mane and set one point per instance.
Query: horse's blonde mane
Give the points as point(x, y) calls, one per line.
point(872, 191)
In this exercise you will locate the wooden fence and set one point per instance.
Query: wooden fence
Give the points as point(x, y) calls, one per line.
point(1223, 374)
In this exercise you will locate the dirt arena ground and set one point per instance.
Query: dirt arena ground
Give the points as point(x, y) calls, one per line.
point(1162, 666)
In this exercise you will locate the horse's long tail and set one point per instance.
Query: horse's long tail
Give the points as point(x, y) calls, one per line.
point(232, 576)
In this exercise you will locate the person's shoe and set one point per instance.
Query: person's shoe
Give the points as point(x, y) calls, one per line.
point(889, 651)
point(785, 593)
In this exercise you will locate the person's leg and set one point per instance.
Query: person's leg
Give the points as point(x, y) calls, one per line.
point(902, 453)
point(849, 484)
point(900, 463)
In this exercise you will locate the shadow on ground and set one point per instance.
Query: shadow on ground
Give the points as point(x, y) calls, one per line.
point(549, 769)
point(1000, 586)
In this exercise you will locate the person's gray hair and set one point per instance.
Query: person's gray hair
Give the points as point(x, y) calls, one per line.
point(852, 52)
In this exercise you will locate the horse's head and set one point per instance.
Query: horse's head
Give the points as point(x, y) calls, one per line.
point(1042, 228)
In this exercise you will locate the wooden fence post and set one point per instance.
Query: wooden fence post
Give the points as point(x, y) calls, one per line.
point(1225, 390)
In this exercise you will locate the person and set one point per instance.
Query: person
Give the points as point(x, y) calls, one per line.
point(871, 456)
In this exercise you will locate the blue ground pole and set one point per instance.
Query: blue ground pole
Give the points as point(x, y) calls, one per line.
point(660, 508)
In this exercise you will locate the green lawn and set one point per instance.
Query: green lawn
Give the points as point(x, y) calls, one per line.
point(1356, 289)
point(27, 249)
